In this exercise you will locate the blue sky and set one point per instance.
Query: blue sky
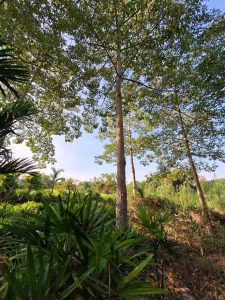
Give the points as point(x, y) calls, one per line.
point(219, 4)
point(77, 158)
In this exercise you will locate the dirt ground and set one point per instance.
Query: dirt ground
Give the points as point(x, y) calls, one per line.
point(197, 271)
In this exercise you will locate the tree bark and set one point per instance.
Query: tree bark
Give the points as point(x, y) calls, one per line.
point(132, 161)
point(121, 199)
point(201, 197)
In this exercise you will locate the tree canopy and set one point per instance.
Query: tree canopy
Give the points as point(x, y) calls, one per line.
point(83, 53)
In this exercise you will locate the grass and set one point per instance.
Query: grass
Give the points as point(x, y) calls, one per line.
point(186, 197)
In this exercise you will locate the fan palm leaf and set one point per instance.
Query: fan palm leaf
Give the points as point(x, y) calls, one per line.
point(10, 70)
point(14, 112)
point(19, 165)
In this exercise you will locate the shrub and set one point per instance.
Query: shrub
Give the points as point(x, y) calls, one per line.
point(74, 251)
point(152, 222)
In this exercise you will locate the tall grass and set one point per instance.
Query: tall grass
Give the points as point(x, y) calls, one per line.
point(186, 197)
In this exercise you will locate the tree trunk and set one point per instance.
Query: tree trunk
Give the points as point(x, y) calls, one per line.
point(121, 199)
point(132, 161)
point(201, 197)
point(133, 174)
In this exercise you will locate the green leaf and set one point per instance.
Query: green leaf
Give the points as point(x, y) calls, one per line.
point(61, 277)
point(136, 291)
point(136, 271)
point(77, 283)
point(14, 284)
point(30, 273)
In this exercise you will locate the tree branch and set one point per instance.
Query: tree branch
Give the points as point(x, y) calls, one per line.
point(109, 89)
point(102, 42)
point(145, 85)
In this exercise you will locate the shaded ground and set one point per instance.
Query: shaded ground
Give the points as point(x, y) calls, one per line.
point(198, 270)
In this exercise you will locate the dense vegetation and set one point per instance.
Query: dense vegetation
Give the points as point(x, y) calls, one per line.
point(175, 187)
point(150, 76)
point(85, 256)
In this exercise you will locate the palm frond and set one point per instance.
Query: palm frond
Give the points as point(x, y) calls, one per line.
point(19, 165)
point(10, 70)
point(14, 112)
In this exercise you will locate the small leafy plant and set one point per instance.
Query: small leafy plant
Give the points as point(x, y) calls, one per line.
point(153, 222)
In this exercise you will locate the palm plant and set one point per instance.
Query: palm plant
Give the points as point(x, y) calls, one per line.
point(54, 177)
point(153, 224)
point(11, 71)
point(9, 116)
point(73, 250)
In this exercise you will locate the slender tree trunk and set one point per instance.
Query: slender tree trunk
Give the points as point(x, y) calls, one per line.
point(132, 161)
point(121, 199)
point(200, 193)
point(133, 174)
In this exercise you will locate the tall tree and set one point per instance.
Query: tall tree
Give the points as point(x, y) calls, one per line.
point(191, 117)
point(40, 45)
point(97, 39)
point(136, 137)
point(94, 47)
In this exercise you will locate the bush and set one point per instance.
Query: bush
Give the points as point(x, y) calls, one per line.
point(152, 222)
point(17, 214)
point(24, 196)
point(74, 251)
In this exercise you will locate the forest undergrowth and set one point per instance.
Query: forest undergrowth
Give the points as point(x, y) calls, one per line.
point(173, 251)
